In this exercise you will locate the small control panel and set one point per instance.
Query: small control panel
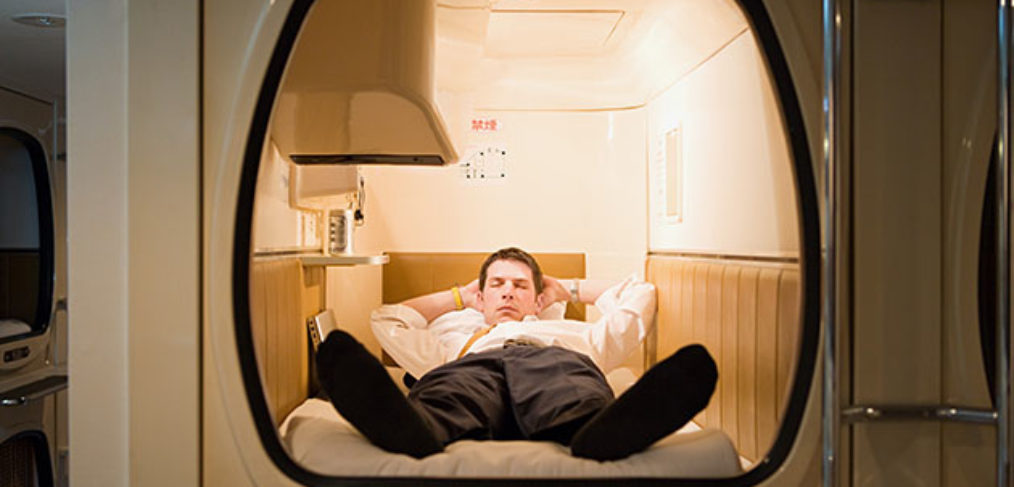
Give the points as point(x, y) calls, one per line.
point(16, 354)
point(21, 353)
point(314, 333)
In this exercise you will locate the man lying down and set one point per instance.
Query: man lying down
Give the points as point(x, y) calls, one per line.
point(498, 372)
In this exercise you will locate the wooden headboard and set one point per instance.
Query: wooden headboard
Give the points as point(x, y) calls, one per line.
point(413, 274)
point(747, 315)
point(283, 294)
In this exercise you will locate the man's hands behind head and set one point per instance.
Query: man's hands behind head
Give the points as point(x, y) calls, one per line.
point(553, 290)
point(469, 293)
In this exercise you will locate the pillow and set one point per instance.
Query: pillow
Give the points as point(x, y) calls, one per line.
point(9, 328)
point(554, 311)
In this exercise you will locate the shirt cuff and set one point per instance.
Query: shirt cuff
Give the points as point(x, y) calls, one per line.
point(400, 313)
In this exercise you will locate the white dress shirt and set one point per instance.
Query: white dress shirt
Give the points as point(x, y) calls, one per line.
point(628, 313)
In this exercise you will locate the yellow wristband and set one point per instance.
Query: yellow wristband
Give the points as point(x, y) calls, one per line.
point(457, 298)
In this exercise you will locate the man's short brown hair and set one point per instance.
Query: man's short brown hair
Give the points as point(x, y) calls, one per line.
point(515, 254)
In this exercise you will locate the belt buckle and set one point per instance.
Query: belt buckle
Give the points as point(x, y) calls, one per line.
point(521, 342)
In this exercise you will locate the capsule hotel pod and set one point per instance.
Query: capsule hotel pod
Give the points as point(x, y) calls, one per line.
point(815, 192)
point(33, 341)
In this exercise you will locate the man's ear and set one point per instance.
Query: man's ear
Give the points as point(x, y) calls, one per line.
point(479, 304)
point(540, 300)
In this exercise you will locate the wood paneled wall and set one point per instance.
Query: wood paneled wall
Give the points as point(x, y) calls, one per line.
point(283, 294)
point(747, 316)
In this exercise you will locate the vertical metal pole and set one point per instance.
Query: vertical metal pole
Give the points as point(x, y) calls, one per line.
point(832, 64)
point(1003, 243)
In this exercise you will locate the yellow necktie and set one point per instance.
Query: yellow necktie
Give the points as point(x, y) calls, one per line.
point(475, 336)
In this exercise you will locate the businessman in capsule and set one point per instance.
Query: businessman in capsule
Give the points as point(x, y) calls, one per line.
point(495, 360)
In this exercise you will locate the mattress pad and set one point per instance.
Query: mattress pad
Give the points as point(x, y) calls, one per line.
point(320, 440)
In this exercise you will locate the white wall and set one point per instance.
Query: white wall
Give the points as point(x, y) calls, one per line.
point(575, 182)
point(739, 196)
point(276, 225)
point(133, 233)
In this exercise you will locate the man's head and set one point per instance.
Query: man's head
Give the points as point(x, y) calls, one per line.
point(510, 286)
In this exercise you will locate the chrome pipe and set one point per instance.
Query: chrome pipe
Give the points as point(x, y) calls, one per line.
point(832, 65)
point(1002, 174)
point(881, 413)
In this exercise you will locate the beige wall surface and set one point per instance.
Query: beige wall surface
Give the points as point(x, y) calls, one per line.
point(276, 225)
point(133, 233)
point(164, 242)
point(97, 230)
point(738, 192)
point(28, 114)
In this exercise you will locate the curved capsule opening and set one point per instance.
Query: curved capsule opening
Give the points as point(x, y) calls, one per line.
point(655, 141)
point(26, 237)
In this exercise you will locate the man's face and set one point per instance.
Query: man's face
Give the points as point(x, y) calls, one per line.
point(509, 293)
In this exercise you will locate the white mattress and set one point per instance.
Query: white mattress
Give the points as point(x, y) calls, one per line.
point(319, 439)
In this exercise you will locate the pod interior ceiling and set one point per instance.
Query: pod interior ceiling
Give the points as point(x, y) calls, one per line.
point(574, 54)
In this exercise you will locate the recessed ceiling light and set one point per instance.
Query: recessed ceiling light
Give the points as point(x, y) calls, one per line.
point(41, 20)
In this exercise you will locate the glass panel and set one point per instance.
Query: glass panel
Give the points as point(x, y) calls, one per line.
point(20, 250)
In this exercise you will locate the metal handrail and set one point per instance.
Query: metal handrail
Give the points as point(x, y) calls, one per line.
point(33, 391)
point(1002, 392)
point(879, 413)
point(832, 62)
point(832, 413)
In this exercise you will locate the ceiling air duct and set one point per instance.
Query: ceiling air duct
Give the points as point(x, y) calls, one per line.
point(359, 87)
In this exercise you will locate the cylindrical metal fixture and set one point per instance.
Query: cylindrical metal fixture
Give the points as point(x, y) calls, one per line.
point(832, 65)
point(1002, 392)
point(340, 231)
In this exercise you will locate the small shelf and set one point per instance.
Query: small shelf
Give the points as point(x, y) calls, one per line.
point(342, 260)
point(36, 390)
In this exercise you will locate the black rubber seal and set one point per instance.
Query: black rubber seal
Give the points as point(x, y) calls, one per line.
point(810, 261)
point(986, 280)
